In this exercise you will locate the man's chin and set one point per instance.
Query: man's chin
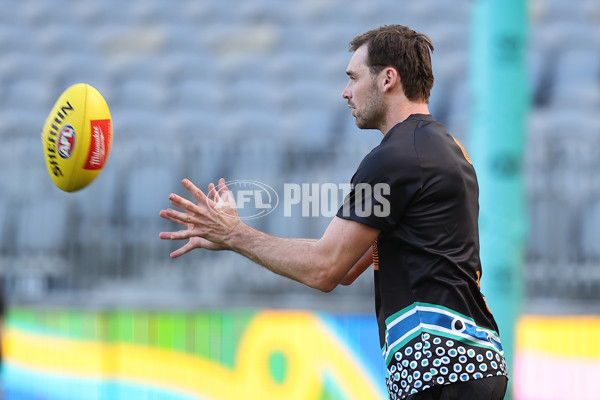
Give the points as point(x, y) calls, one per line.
point(361, 124)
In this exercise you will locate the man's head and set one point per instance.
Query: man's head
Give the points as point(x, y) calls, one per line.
point(391, 64)
point(407, 51)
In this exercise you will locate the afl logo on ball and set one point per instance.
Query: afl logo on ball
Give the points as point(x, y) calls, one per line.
point(65, 141)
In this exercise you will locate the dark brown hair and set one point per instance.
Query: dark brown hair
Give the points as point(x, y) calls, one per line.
point(407, 51)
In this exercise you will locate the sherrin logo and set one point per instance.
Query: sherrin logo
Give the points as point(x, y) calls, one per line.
point(51, 143)
point(65, 141)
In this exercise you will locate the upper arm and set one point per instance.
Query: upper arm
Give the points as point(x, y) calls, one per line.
point(343, 244)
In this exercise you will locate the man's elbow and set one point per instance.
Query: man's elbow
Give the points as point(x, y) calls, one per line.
point(326, 280)
point(326, 287)
point(323, 284)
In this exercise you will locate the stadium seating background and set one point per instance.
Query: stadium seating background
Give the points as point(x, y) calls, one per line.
point(252, 91)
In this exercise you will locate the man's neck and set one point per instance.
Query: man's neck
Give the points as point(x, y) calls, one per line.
point(401, 112)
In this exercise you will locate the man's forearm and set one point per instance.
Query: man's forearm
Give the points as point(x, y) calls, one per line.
point(297, 259)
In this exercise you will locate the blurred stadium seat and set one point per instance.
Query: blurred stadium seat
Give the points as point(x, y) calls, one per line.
point(242, 124)
point(200, 95)
point(5, 226)
point(18, 123)
point(134, 125)
point(17, 65)
point(181, 66)
point(591, 229)
point(148, 190)
point(192, 126)
point(142, 94)
point(31, 239)
point(15, 37)
point(53, 37)
point(66, 70)
point(254, 93)
point(33, 94)
point(575, 71)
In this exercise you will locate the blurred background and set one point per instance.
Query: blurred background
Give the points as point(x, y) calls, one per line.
point(251, 90)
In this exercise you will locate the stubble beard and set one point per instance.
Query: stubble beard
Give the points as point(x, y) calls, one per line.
point(372, 116)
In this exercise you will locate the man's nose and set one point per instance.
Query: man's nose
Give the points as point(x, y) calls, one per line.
point(346, 92)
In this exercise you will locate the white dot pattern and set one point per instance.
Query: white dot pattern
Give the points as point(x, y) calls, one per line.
point(413, 368)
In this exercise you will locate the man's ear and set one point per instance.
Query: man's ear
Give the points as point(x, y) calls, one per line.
point(390, 78)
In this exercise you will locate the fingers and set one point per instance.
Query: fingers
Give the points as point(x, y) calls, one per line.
point(197, 218)
point(182, 203)
point(178, 201)
point(166, 214)
point(182, 218)
point(225, 193)
point(194, 190)
point(165, 235)
point(179, 235)
point(222, 186)
point(220, 196)
point(182, 250)
point(214, 193)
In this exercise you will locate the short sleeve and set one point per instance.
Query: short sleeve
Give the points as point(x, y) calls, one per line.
point(382, 187)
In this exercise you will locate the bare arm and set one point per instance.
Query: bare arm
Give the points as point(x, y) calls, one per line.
point(213, 224)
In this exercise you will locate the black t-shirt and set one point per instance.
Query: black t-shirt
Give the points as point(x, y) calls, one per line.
point(419, 188)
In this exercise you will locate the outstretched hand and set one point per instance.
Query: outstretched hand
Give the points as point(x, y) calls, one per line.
point(209, 222)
